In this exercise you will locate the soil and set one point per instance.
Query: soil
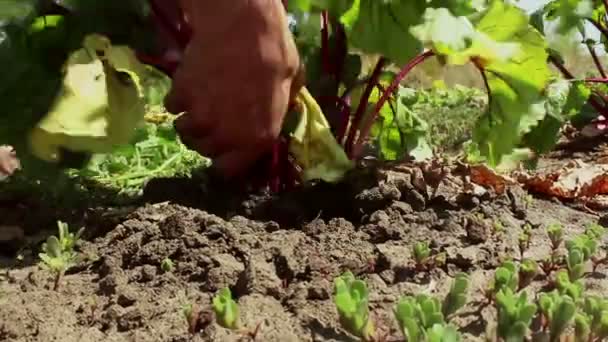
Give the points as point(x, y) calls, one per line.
point(278, 254)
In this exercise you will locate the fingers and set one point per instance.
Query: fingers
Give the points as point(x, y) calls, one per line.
point(234, 163)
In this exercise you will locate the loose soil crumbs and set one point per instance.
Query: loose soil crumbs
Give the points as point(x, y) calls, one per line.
point(278, 255)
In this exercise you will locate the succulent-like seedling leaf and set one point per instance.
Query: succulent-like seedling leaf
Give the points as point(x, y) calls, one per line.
point(595, 231)
point(457, 297)
point(515, 314)
point(226, 310)
point(575, 263)
point(421, 252)
point(166, 265)
point(430, 310)
point(527, 272)
point(596, 311)
point(406, 315)
point(565, 286)
point(442, 333)
point(351, 300)
point(506, 276)
point(582, 327)
point(559, 311)
point(556, 234)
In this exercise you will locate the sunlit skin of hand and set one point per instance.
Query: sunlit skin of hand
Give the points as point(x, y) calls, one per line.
point(235, 80)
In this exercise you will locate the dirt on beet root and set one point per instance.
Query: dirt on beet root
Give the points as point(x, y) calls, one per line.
point(279, 256)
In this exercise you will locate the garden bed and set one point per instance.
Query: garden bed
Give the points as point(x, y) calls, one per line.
point(279, 256)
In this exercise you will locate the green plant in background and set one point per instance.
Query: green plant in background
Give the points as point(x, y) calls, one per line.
point(515, 314)
point(351, 300)
point(58, 254)
point(422, 255)
point(558, 312)
point(227, 313)
point(166, 265)
point(556, 235)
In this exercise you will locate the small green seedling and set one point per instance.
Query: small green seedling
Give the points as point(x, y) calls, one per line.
point(582, 327)
point(558, 313)
point(422, 255)
point(506, 276)
point(515, 314)
point(226, 310)
point(556, 235)
point(565, 286)
point(457, 297)
point(58, 254)
point(443, 333)
point(595, 231)
point(528, 270)
point(498, 226)
point(595, 315)
point(351, 300)
point(416, 315)
point(586, 244)
point(166, 265)
point(575, 263)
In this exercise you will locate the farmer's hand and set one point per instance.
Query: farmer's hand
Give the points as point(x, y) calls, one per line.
point(235, 80)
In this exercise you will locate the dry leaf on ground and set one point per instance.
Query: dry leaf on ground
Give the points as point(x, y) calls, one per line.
point(574, 181)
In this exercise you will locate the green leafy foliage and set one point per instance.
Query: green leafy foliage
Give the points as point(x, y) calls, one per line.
point(226, 310)
point(563, 102)
point(166, 265)
point(572, 288)
point(417, 316)
point(457, 297)
point(528, 270)
point(155, 151)
point(99, 104)
point(505, 277)
point(575, 263)
point(556, 234)
point(41, 35)
point(515, 314)
point(422, 253)
point(399, 130)
point(559, 312)
point(351, 300)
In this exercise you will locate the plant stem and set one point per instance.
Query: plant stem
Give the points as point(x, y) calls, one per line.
point(356, 150)
point(596, 80)
point(57, 282)
point(362, 106)
point(596, 60)
point(594, 103)
point(325, 43)
point(598, 26)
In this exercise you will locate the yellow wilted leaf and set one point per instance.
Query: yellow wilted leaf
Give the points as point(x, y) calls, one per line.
point(99, 105)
